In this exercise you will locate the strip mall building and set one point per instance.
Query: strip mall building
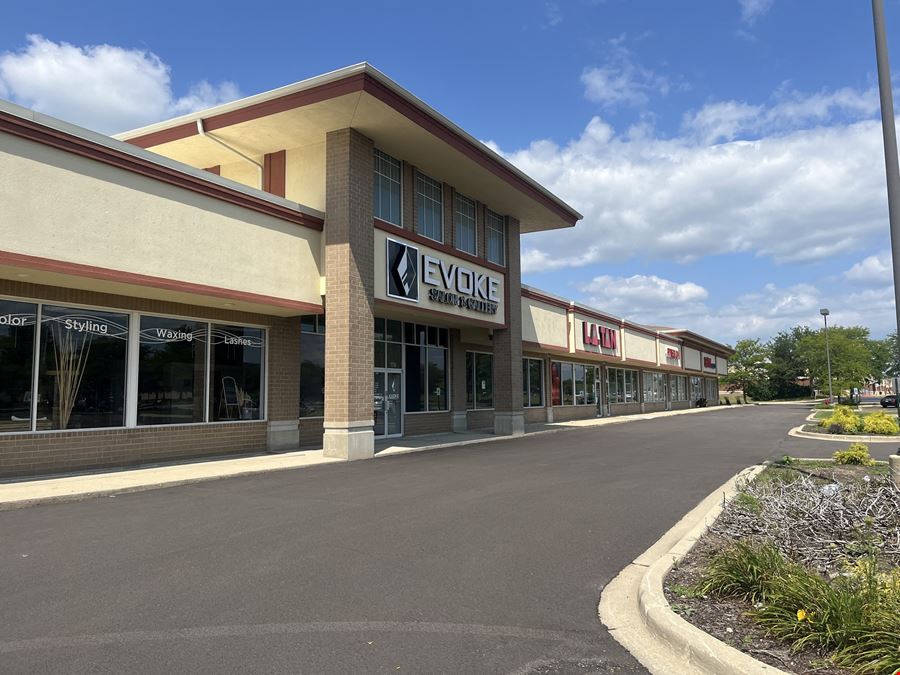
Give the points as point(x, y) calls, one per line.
point(317, 266)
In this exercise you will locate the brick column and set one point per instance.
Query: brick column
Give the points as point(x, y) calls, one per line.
point(349, 286)
point(283, 429)
point(509, 417)
point(457, 382)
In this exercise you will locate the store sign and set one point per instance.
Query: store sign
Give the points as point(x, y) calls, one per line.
point(673, 354)
point(16, 320)
point(709, 362)
point(599, 336)
point(450, 283)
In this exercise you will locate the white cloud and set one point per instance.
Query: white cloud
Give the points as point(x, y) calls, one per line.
point(751, 10)
point(728, 120)
point(874, 270)
point(553, 13)
point(642, 295)
point(797, 195)
point(621, 81)
point(102, 87)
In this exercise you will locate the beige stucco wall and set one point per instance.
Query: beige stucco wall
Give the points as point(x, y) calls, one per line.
point(691, 358)
point(721, 366)
point(241, 171)
point(425, 302)
point(664, 346)
point(640, 346)
point(68, 208)
point(579, 336)
point(544, 324)
point(305, 175)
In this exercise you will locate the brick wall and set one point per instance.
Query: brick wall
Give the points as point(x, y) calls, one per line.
point(52, 452)
point(426, 423)
point(350, 265)
point(508, 341)
point(480, 419)
point(533, 415)
point(311, 432)
point(563, 413)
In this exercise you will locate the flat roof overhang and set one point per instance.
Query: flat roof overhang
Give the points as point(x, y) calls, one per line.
point(362, 98)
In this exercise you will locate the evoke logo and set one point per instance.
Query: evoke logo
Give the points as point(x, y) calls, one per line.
point(402, 271)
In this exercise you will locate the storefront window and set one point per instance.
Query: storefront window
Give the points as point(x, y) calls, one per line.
point(426, 364)
point(18, 322)
point(568, 384)
point(532, 383)
point(555, 383)
point(82, 369)
point(312, 365)
point(590, 385)
point(696, 388)
point(386, 193)
point(622, 385)
point(654, 387)
point(171, 371)
point(236, 367)
point(479, 380)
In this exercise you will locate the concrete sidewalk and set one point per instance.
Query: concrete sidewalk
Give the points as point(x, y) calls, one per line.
point(19, 493)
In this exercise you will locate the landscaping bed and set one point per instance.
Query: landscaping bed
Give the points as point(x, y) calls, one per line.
point(802, 570)
point(847, 421)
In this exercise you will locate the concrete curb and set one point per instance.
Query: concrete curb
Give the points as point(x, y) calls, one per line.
point(69, 488)
point(798, 432)
point(634, 607)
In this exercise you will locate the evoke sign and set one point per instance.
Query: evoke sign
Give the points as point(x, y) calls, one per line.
point(599, 336)
point(451, 283)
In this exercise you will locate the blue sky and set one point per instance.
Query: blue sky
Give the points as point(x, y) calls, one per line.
point(726, 153)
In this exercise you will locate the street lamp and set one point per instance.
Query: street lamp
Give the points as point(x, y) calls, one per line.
point(824, 312)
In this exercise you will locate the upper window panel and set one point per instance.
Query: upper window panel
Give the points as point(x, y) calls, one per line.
point(429, 208)
point(386, 193)
point(495, 235)
point(464, 215)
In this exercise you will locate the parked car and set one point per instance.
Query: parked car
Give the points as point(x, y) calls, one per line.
point(889, 401)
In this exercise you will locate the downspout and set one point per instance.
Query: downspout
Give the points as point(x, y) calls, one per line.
point(259, 167)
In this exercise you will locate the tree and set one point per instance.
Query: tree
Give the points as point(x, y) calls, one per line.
point(786, 363)
point(851, 357)
point(747, 368)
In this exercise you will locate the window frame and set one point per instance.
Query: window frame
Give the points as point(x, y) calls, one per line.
point(382, 155)
point(501, 231)
point(627, 385)
point(470, 372)
point(419, 195)
point(132, 362)
point(527, 361)
point(456, 229)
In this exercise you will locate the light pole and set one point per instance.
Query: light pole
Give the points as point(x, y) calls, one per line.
point(824, 312)
point(891, 166)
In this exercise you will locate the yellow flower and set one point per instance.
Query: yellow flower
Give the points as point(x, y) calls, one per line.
point(801, 615)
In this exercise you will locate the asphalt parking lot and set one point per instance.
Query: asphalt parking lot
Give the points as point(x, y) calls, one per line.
point(487, 558)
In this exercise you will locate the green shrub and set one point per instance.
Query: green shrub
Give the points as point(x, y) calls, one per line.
point(855, 616)
point(857, 453)
point(880, 423)
point(843, 418)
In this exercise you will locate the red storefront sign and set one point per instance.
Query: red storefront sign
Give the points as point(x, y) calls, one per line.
point(709, 362)
point(673, 354)
point(599, 336)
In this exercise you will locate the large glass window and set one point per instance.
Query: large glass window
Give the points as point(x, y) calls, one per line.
point(82, 369)
point(464, 217)
point(495, 236)
point(622, 385)
point(654, 387)
point(572, 384)
point(712, 390)
point(386, 194)
point(429, 207)
point(236, 369)
point(696, 388)
point(312, 365)
point(555, 383)
point(171, 371)
point(590, 385)
point(532, 383)
point(479, 380)
point(426, 364)
point(18, 322)
point(678, 386)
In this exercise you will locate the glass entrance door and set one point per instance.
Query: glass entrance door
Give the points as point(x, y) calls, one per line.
point(388, 402)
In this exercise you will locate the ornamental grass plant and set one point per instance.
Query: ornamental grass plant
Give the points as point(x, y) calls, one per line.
point(855, 616)
point(880, 423)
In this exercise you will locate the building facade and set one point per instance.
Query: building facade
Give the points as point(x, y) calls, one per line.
point(317, 266)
